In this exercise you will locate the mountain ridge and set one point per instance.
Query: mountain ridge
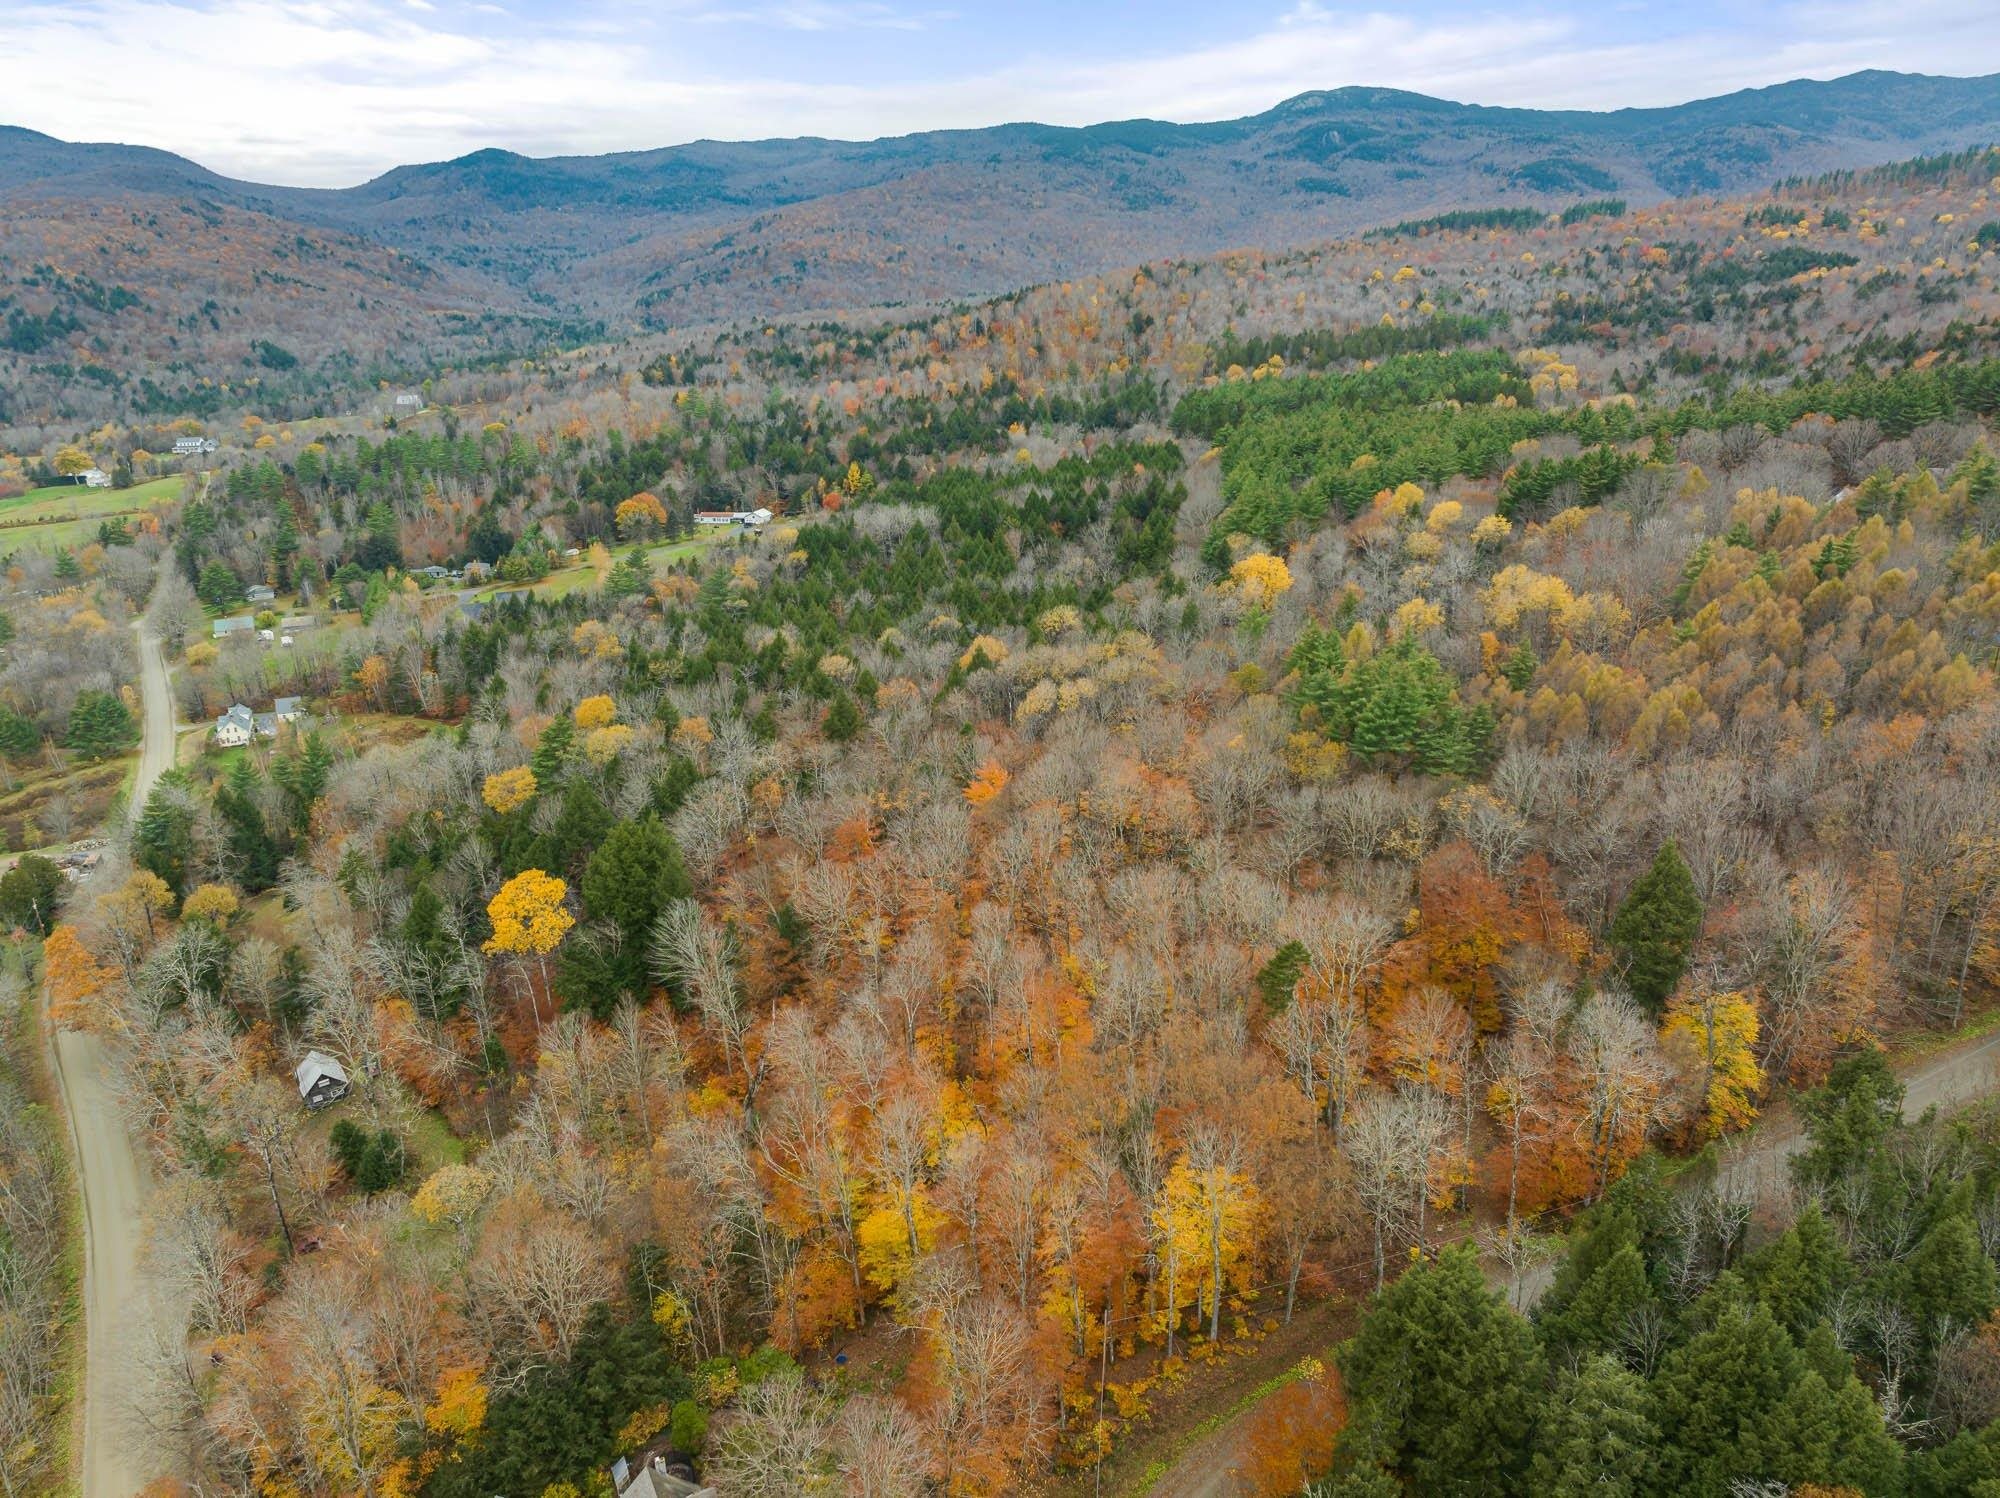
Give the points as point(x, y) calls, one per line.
point(429, 260)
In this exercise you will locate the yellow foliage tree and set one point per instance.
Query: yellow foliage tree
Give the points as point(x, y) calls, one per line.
point(74, 977)
point(528, 915)
point(994, 650)
point(452, 1193)
point(133, 906)
point(988, 783)
point(596, 712)
point(211, 902)
point(1207, 1220)
point(603, 745)
point(509, 790)
point(641, 513)
point(459, 1408)
point(1714, 1038)
point(883, 1237)
point(1261, 579)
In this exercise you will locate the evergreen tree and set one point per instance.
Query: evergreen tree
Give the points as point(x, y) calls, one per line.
point(218, 586)
point(252, 852)
point(19, 737)
point(163, 840)
point(1444, 1381)
point(842, 721)
point(1279, 977)
point(1796, 1277)
point(100, 725)
point(304, 774)
point(580, 826)
point(632, 875)
point(1655, 928)
point(553, 751)
point(1950, 1280)
point(1847, 1117)
point(29, 892)
point(438, 988)
point(1601, 1309)
point(1715, 1396)
point(1596, 1438)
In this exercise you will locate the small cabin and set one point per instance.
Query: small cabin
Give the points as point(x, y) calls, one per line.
point(322, 1080)
point(260, 593)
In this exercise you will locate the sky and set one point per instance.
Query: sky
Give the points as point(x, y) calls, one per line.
point(328, 93)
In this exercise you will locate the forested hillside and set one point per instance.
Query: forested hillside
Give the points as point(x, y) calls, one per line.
point(131, 279)
point(1217, 783)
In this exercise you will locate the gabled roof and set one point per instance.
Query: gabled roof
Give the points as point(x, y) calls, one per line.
point(317, 1066)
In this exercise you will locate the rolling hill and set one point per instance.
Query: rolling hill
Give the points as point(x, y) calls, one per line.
point(493, 250)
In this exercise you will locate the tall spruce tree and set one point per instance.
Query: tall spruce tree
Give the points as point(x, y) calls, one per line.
point(1655, 928)
point(1444, 1382)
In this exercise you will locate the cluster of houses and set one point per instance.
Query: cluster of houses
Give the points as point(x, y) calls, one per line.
point(194, 447)
point(246, 625)
point(240, 725)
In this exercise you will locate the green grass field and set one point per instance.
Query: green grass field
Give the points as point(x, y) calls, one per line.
point(67, 515)
point(576, 579)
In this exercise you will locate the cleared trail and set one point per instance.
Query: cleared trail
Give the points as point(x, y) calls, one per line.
point(111, 1175)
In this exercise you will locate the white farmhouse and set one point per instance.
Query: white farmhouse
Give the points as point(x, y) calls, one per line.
point(234, 728)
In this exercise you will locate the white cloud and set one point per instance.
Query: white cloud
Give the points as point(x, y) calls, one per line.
point(327, 92)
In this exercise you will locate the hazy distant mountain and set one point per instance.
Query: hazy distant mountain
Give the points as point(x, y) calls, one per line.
point(715, 229)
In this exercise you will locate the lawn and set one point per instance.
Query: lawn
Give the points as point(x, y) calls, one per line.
point(567, 580)
point(68, 515)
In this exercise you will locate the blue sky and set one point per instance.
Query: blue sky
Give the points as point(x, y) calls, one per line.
point(331, 92)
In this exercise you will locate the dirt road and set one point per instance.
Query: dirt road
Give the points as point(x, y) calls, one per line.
point(1207, 1469)
point(111, 1173)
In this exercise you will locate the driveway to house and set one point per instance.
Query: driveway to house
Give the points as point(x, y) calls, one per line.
point(112, 1177)
point(1964, 1071)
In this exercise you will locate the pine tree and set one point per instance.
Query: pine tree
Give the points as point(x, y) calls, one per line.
point(29, 892)
point(1444, 1381)
point(253, 854)
point(1847, 1116)
point(100, 725)
point(1600, 1310)
point(632, 876)
point(553, 751)
point(19, 737)
point(1796, 1277)
point(1951, 1281)
point(842, 721)
point(1655, 928)
point(219, 587)
point(163, 842)
point(1597, 1438)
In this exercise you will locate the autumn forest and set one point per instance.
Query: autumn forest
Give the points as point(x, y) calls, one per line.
point(1361, 870)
